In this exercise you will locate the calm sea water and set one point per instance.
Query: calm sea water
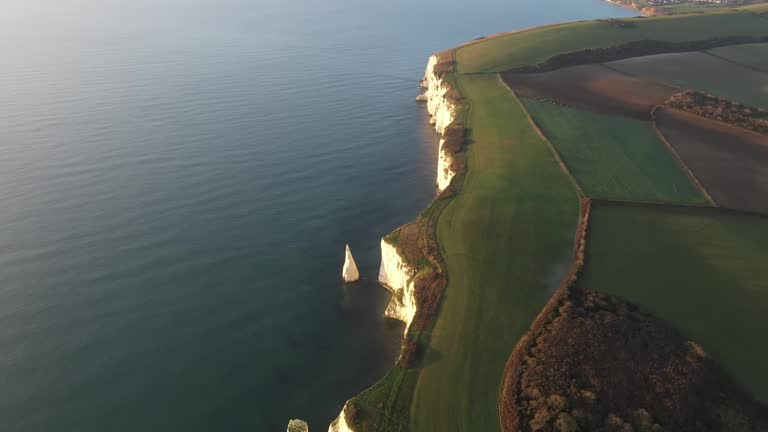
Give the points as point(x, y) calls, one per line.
point(178, 179)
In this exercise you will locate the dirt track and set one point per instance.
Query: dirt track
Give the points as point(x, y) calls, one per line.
point(731, 163)
point(593, 88)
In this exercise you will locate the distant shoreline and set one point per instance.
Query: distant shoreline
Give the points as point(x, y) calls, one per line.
point(646, 11)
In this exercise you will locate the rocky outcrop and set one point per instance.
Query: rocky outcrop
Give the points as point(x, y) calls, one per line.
point(442, 112)
point(349, 272)
point(398, 276)
point(340, 424)
point(298, 426)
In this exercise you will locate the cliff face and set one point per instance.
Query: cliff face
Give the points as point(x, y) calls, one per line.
point(442, 113)
point(397, 275)
point(340, 424)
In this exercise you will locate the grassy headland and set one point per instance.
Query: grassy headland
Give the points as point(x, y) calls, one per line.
point(506, 239)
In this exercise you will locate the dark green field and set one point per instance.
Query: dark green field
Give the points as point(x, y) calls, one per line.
point(750, 55)
point(614, 157)
point(703, 270)
point(695, 70)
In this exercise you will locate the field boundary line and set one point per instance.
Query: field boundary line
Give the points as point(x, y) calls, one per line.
point(672, 150)
point(735, 63)
point(510, 377)
point(645, 77)
point(596, 202)
point(544, 138)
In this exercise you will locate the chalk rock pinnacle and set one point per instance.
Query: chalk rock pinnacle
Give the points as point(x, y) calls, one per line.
point(298, 426)
point(349, 272)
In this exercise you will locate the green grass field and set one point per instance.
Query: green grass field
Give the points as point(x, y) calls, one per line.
point(537, 45)
point(507, 241)
point(614, 157)
point(702, 270)
point(702, 72)
point(751, 55)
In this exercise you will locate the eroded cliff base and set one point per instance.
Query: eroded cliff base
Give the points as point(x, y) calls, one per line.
point(597, 363)
point(416, 298)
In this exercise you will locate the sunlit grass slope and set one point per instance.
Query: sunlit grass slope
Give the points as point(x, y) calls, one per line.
point(702, 270)
point(506, 240)
point(614, 157)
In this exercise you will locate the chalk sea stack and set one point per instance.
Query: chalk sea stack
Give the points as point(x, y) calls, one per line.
point(298, 426)
point(349, 272)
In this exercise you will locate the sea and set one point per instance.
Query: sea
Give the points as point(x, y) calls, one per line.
point(178, 179)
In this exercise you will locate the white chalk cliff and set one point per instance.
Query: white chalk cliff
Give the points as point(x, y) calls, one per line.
point(398, 276)
point(349, 271)
point(442, 113)
point(340, 424)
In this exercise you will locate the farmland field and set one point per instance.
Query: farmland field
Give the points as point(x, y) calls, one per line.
point(614, 157)
point(751, 55)
point(703, 270)
point(730, 162)
point(534, 46)
point(507, 241)
point(703, 72)
point(594, 88)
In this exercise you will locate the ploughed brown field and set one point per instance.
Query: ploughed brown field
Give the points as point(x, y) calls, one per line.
point(593, 88)
point(730, 162)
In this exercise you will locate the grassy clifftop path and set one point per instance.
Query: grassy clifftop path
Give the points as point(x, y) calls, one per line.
point(507, 241)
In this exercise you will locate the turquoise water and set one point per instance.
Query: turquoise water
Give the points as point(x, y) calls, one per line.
point(178, 179)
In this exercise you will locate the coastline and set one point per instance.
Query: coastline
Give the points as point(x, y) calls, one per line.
point(412, 268)
point(349, 415)
point(646, 11)
point(398, 377)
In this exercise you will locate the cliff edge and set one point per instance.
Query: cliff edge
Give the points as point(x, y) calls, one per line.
point(441, 104)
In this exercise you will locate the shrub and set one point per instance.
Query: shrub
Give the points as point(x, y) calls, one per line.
point(618, 23)
point(411, 354)
point(353, 412)
point(443, 68)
